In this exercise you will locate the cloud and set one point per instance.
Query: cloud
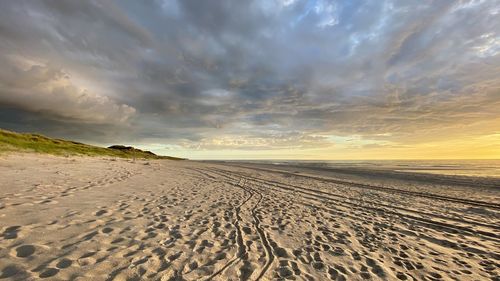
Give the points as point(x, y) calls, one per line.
point(278, 74)
point(50, 92)
point(270, 141)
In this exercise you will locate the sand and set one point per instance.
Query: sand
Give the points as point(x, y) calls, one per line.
point(114, 219)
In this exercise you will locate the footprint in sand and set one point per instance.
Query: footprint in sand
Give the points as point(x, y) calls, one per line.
point(9, 271)
point(107, 230)
point(64, 263)
point(49, 272)
point(25, 251)
point(100, 212)
point(11, 232)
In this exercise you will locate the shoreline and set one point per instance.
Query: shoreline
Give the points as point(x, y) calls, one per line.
point(387, 173)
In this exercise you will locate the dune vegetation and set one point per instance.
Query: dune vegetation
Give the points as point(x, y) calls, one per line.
point(28, 142)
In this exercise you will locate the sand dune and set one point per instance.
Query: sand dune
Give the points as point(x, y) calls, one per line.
point(116, 219)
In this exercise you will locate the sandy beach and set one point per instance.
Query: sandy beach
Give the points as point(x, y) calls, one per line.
point(82, 218)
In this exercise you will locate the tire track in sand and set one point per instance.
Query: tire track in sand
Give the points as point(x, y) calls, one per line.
point(256, 223)
point(242, 251)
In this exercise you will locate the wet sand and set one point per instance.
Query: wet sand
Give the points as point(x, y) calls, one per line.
point(113, 219)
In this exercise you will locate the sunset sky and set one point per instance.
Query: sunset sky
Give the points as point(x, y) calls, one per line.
point(275, 79)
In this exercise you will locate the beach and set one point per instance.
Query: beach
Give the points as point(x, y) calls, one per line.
point(91, 218)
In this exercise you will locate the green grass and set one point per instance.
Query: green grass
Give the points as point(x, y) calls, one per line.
point(17, 142)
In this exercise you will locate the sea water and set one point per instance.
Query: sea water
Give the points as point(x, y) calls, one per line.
point(478, 168)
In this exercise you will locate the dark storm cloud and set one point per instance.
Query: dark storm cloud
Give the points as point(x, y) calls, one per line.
point(282, 74)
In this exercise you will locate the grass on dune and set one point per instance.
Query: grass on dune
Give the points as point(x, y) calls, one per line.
point(26, 142)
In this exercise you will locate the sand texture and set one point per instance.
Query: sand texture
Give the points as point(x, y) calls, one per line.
point(114, 219)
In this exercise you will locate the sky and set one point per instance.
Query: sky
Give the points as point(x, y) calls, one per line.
point(264, 79)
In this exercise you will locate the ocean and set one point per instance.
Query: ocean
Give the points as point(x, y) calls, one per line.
point(477, 168)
